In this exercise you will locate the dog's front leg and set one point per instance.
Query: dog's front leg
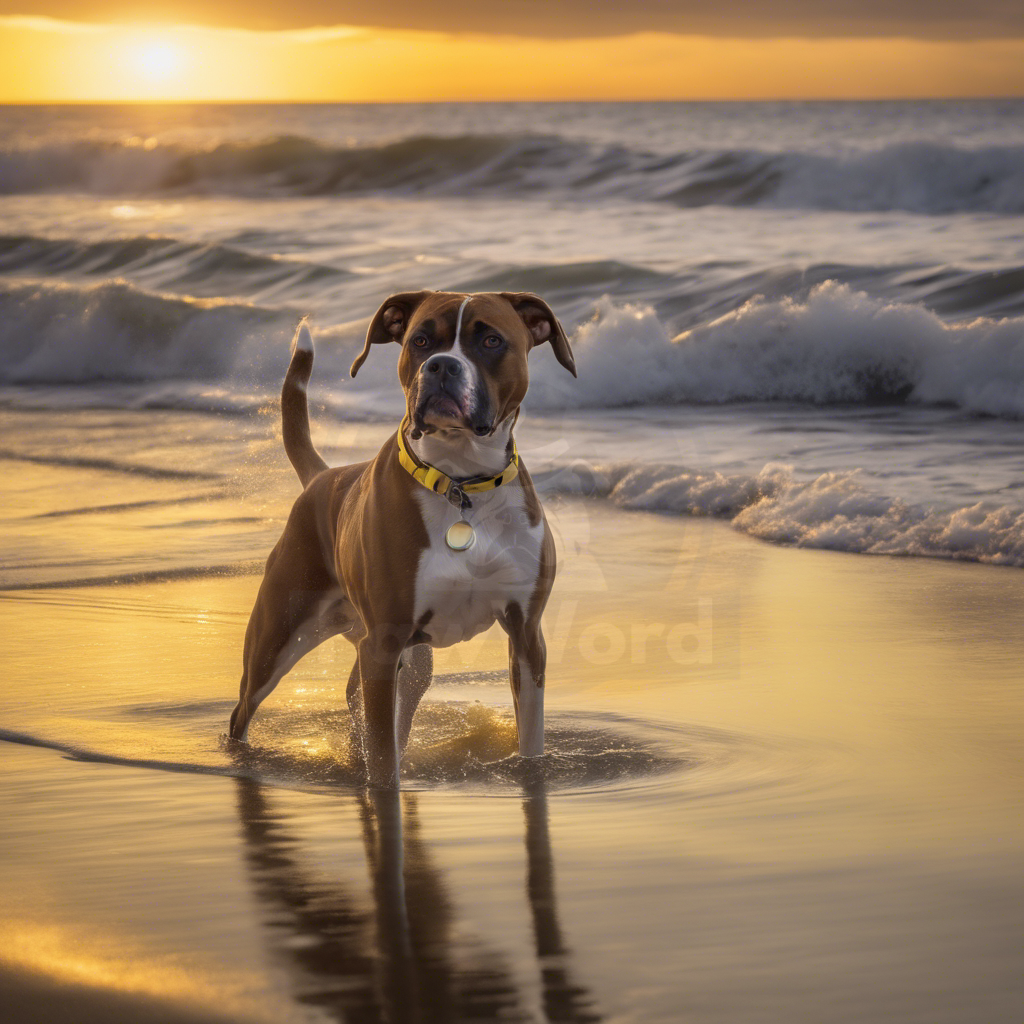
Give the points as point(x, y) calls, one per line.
point(378, 655)
point(527, 657)
point(417, 666)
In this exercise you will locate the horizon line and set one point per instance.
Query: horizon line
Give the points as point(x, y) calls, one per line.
point(961, 98)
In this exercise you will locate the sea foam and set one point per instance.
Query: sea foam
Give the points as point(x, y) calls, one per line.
point(837, 511)
point(838, 346)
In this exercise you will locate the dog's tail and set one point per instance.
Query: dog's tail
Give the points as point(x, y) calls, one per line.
point(298, 445)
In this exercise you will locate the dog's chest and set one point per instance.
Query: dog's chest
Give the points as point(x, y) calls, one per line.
point(460, 593)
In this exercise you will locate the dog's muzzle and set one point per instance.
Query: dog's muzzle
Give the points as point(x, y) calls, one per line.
point(446, 392)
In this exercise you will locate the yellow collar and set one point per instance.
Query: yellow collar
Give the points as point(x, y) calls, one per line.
point(454, 490)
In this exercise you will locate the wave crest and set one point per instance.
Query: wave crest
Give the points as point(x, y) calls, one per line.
point(835, 511)
point(62, 333)
point(839, 346)
point(928, 178)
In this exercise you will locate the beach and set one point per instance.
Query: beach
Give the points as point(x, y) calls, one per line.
point(783, 768)
point(803, 804)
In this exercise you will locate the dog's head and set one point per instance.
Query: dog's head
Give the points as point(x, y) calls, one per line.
point(464, 357)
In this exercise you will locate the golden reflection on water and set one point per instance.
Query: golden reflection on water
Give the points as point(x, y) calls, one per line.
point(851, 754)
point(104, 963)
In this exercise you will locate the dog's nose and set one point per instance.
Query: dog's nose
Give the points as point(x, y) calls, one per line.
point(444, 366)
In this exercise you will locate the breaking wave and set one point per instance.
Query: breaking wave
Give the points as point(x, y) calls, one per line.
point(839, 346)
point(836, 511)
point(926, 178)
point(64, 333)
point(836, 346)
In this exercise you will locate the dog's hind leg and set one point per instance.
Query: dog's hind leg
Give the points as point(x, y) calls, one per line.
point(295, 611)
point(273, 644)
point(414, 675)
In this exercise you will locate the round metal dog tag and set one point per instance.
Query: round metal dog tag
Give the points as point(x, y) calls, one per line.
point(460, 536)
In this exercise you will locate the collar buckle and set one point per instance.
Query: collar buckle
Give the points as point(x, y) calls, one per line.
point(458, 497)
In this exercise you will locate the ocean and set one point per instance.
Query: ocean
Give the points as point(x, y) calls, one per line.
point(779, 785)
point(806, 317)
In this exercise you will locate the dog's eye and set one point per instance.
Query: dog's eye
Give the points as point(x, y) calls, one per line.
point(421, 341)
point(492, 341)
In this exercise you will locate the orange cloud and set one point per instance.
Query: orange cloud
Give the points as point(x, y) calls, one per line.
point(574, 19)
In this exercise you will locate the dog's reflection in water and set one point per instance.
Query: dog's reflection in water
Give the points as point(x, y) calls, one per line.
point(398, 962)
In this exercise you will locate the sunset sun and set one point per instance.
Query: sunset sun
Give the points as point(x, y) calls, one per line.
point(155, 59)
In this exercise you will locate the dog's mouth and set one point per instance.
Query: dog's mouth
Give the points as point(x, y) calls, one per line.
point(439, 411)
point(443, 407)
point(434, 408)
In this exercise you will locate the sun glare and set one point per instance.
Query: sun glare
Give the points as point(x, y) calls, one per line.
point(156, 59)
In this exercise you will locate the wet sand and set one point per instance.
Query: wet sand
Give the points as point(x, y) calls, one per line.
point(780, 786)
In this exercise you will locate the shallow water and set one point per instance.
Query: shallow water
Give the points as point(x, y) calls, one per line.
point(803, 804)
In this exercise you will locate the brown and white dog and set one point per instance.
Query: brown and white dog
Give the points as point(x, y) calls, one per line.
point(364, 553)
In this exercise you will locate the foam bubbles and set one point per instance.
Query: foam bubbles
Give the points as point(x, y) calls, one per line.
point(838, 346)
point(837, 511)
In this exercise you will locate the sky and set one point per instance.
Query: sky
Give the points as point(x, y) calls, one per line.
point(432, 50)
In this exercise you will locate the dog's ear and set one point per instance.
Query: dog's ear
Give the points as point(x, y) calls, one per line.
point(389, 323)
point(542, 324)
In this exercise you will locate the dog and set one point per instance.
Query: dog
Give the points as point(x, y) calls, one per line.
point(429, 543)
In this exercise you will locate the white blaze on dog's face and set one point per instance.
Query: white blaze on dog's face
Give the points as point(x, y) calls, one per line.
point(464, 357)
